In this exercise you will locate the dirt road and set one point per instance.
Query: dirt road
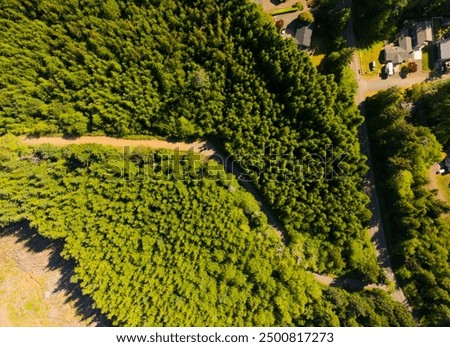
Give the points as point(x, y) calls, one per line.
point(198, 147)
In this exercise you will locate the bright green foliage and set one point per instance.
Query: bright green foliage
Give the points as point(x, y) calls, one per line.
point(158, 241)
point(420, 239)
point(306, 17)
point(153, 249)
point(214, 69)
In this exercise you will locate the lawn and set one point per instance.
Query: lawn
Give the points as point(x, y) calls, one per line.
point(367, 55)
point(317, 59)
point(428, 60)
point(443, 182)
point(284, 10)
point(320, 47)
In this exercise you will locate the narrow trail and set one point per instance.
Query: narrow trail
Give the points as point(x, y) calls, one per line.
point(198, 147)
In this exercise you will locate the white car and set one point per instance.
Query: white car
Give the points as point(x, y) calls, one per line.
point(283, 31)
point(389, 69)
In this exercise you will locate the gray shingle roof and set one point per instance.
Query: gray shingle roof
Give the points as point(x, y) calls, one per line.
point(303, 36)
point(396, 55)
point(444, 48)
point(423, 33)
point(405, 42)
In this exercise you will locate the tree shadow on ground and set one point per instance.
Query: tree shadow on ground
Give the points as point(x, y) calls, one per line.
point(36, 243)
point(349, 284)
point(292, 27)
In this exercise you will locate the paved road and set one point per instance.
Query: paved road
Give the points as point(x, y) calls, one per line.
point(375, 85)
point(376, 230)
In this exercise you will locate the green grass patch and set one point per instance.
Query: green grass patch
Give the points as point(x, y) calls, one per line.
point(317, 59)
point(425, 60)
point(369, 54)
point(283, 11)
point(443, 182)
point(428, 59)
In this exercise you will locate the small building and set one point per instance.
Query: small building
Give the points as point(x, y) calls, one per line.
point(444, 48)
point(303, 36)
point(394, 54)
point(423, 34)
point(405, 42)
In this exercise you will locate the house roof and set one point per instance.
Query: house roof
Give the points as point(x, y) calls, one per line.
point(444, 48)
point(405, 42)
point(303, 36)
point(423, 33)
point(395, 54)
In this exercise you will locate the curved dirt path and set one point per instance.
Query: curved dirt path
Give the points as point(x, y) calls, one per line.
point(198, 147)
point(206, 150)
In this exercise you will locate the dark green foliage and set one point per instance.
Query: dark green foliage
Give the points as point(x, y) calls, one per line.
point(214, 69)
point(373, 308)
point(420, 239)
point(160, 244)
point(379, 20)
point(433, 108)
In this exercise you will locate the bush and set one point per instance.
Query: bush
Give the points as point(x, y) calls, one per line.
point(299, 6)
point(412, 66)
point(306, 17)
point(404, 70)
point(279, 24)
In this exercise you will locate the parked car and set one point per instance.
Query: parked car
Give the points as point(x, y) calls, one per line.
point(389, 69)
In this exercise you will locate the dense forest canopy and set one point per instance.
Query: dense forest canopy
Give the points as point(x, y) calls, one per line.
point(404, 154)
point(169, 250)
point(210, 69)
point(432, 108)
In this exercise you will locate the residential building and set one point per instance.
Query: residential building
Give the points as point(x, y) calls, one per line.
point(405, 42)
point(395, 54)
point(423, 34)
point(303, 36)
point(444, 48)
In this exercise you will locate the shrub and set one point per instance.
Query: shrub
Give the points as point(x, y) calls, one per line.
point(299, 6)
point(279, 24)
point(412, 66)
point(306, 17)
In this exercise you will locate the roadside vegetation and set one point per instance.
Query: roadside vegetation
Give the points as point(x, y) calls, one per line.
point(404, 152)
